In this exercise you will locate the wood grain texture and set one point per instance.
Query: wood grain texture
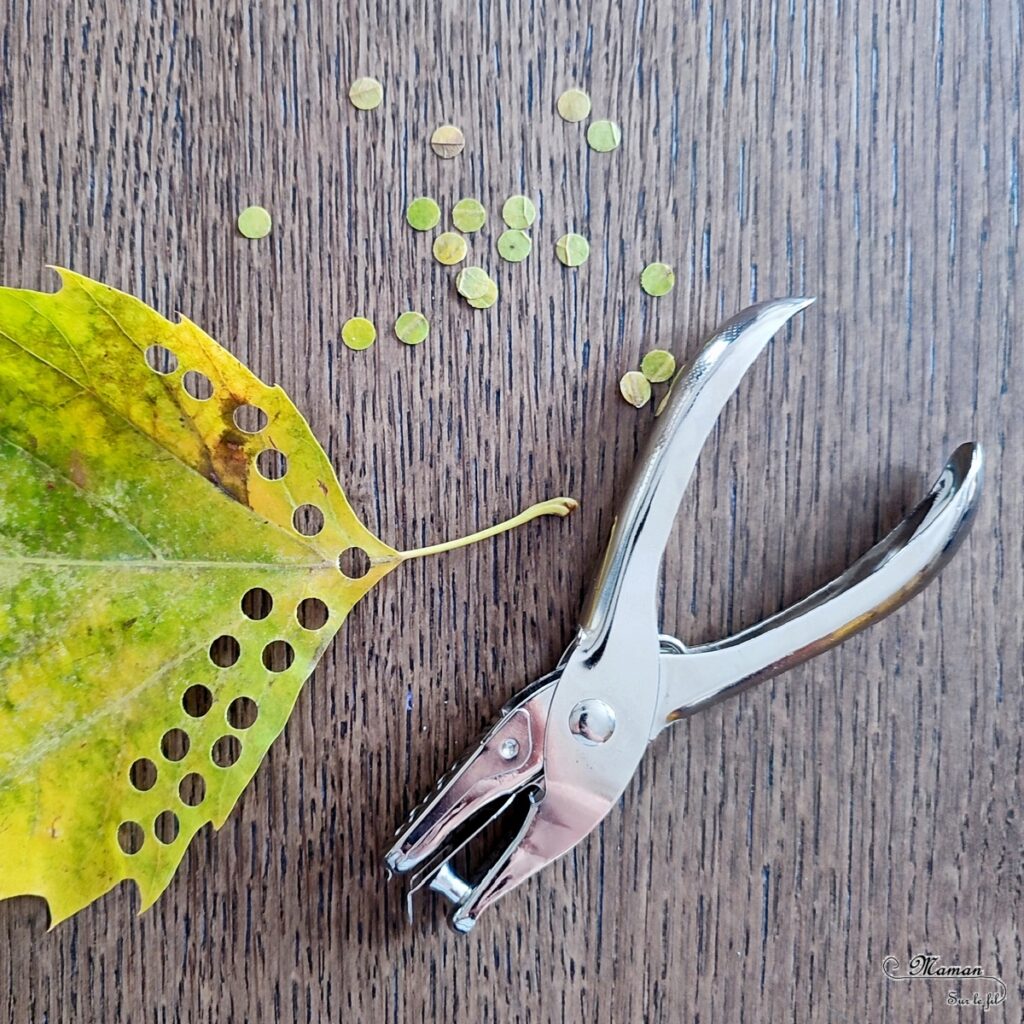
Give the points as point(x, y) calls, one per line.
point(772, 850)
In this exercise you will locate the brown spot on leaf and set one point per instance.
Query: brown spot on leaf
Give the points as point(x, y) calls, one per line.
point(323, 487)
point(230, 461)
point(76, 471)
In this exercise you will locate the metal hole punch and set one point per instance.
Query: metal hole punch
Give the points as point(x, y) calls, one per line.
point(563, 751)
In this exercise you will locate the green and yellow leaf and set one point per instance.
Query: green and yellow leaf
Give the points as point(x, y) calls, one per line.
point(168, 580)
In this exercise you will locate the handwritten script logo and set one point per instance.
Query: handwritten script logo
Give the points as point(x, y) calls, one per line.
point(989, 990)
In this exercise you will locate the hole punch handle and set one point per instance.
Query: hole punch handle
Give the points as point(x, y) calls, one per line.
point(880, 581)
point(624, 593)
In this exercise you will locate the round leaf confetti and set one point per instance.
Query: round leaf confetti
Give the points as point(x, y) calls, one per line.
point(472, 282)
point(366, 93)
point(635, 388)
point(514, 245)
point(573, 105)
point(604, 136)
point(449, 248)
point(519, 212)
point(358, 333)
point(658, 365)
point(447, 141)
point(488, 299)
point(469, 215)
point(423, 214)
point(254, 222)
point(412, 328)
point(572, 249)
point(657, 279)
point(476, 287)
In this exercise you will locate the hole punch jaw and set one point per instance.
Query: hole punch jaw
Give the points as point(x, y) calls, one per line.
point(506, 761)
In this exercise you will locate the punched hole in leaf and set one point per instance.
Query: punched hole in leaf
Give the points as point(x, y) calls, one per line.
point(197, 700)
point(198, 385)
point(192, 789)
point(312, 613)
point(161, 359)
point(278, 655)
point(226, 751)
point(250, 419)
point(130, 837)
point(174, 745)
point(242, 712)
point(165, 827)
point(308, 520)
point(225, 651)
point(271, 464)
point(142, 774)
point(257, 603)
point(354, 563)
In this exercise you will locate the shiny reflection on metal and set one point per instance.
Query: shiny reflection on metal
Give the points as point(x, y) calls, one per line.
point(592, 722)
point(568, 786)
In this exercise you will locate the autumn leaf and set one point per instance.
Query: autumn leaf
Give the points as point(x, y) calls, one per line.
point(170, 534)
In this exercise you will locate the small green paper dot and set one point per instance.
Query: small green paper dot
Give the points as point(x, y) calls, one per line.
point(658, 365)
point(518, 212)
point(449, 248)
point(469, 215)
point(366, 93)
point(412, 327)
point(604, 136)
point(572, 249)
point(514, 245)
point(358, 333)
point(635, 388)
point(573, 105)
point(423, 214)
point(657, 279)
point(254, 222)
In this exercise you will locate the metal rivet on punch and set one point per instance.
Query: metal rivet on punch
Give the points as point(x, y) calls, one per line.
point(592, 722)
point(509, 749)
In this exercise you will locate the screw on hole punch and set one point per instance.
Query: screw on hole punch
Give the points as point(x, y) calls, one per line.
point(562, 753)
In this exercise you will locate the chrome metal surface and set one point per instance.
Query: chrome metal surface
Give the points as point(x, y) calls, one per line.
point(879, 582)
point(572, 741)
point(592, 722)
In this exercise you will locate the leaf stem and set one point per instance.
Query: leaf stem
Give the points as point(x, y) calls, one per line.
point(551, 507)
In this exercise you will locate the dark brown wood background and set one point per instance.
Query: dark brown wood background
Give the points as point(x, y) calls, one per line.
point(772, 850)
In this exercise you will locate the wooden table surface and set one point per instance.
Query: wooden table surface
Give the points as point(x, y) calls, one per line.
point(772, 850)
